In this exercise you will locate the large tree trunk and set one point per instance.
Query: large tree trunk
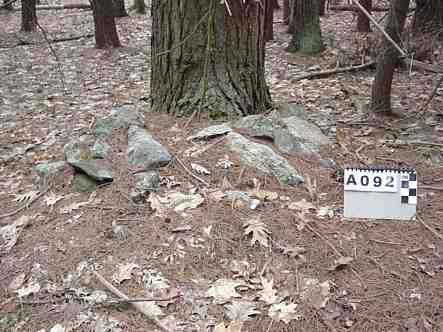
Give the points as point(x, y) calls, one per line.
point(286, 11)
point(7, 4)
point(208, 58)
point(119, 8)
point(322, 7)
point(428, 16)
point(270, 6)
point(140, 7)
point(305, 27)
point(363, 24)
point(29, 16)
point(104, 23)
point(387, 58)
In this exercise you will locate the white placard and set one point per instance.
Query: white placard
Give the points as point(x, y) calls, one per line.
point(371, 180)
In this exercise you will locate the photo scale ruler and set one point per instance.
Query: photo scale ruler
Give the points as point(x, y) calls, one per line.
point(380, 193)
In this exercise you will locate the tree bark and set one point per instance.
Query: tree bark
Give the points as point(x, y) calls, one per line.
point(29, 15)
point(387, 59)
point(322, 8)
point(105, 30)
point(140, 7)
point(208, 58)
point(269, 19)
point(8, 5)
point(428, 16)
point(119, 8)
point(305, 27)
point(286, 11)
point(363, 23)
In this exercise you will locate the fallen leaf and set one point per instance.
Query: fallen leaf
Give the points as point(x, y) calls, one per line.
point(200, 169)
point(269, 293)
point(26, 197)
point(223, 290)
point(9, 234)
point(258, 230)
point(341, 263)
point(263, 195)
point(325, 211)
point(124, 272)
point(315, 293)
point(52, 198)
point(283, 312)
point(57, 328)
point(33, 287)
point(231, 327)
point(302, 205)
point(17, 282)
point(241, 310)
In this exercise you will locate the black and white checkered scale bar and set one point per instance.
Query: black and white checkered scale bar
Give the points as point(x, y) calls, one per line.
point(408, 188)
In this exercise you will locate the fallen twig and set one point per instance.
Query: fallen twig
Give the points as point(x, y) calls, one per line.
point(190, 173)
point(429, 228)
point(21, 208)
point(386, 242)
point(326, 73)
point(123, 296)
point(424, 107)
point(324, 239)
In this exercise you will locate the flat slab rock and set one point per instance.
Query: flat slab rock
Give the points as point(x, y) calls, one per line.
point(299, 136)
point(144, 150)
point(292, 135)
point(210, 132)
point(94, 168)
point(264, 159)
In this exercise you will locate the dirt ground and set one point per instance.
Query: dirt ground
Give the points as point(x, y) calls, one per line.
point(393, 283)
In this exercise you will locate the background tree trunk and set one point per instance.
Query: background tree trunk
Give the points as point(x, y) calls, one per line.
point(104, 23)
point(286, 11)
point(269, 19)
point(322, 7)
point(29, 16)
point(8, 5)
point(363, 24)
point(140, 7)
point(305, 27)
point(428, 16)
point(119, 8)
point(205, 59)
point(387, 59)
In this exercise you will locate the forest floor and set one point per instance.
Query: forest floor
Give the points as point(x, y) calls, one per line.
point(394, 281)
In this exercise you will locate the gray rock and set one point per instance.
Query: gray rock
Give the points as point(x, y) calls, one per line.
point(121, 117)
point(286, 110)
point(83, 183)
point(47, 169)
point(100, 149)
point(144, 150)
point(211, 131)
point(77, 150)
point(147, 181)
point(299, 136)
point(94, 169)
point(256, 126)
point(263, 158)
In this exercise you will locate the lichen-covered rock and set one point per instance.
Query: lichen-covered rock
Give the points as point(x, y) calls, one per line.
point(121, 117)
point(299, 136)
point(264, 159)
point(256, 126)
point(144, 150)
point(211, 132)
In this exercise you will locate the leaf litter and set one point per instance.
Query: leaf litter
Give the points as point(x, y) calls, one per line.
point(117, 77)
